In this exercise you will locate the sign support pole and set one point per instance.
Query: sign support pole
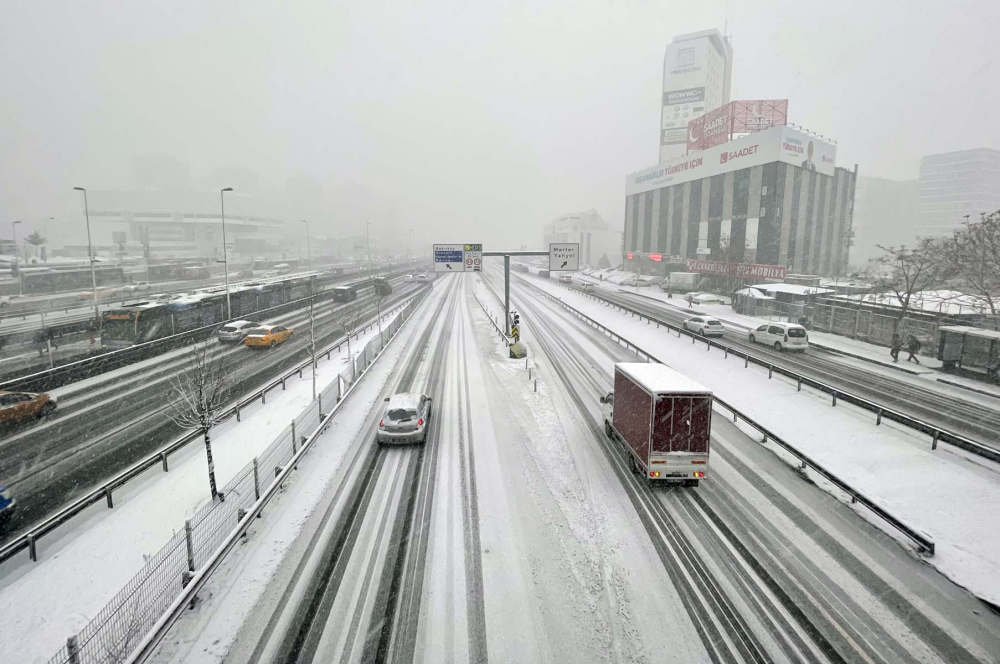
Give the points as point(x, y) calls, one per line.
point(506, 294)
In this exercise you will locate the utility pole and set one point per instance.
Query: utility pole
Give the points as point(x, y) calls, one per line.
point(225, 256)
point(17, 260)
point(90, 252)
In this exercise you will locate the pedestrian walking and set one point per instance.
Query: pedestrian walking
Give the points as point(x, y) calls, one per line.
point(92, 331)
point(39, 338)
point(896, 346)
point(913, 347)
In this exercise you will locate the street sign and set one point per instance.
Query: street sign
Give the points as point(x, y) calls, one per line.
point(473, 258)
point(449, 258)
point(704, 251)
point(564, 256)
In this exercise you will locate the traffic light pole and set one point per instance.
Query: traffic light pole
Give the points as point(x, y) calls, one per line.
point(506, 279)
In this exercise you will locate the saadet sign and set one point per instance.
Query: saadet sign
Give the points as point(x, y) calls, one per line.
point(732, 155)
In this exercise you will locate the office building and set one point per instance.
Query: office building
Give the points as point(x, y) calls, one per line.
point(697, 70)
point(588, 228)
point(956, 185)
point(775, 196)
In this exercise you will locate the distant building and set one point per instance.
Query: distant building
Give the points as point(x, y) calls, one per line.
point(775, 197)
point(182, 225)
point(885, 213)
point(954, 185)
point(697, 71)
point(591, 231)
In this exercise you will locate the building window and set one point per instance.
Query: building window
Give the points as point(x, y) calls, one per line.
point(763, 192)
point(763, 212)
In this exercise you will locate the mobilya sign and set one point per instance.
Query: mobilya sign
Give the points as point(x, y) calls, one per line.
point(737, 269)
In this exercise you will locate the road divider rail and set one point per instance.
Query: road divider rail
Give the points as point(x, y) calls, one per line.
point(923, 542)
point(140, 614)
point(492, 319)
point(937, 434)
point(106, 490)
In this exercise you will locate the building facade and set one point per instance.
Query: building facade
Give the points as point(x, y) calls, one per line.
point(885, 214)
point(162, 225)
point(954, 185)
point(771, 198)
point(589, 229)
point(697, 71)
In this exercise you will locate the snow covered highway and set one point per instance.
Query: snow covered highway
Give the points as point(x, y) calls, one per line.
point(519, 533)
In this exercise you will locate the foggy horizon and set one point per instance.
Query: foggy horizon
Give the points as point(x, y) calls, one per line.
point(472, 124)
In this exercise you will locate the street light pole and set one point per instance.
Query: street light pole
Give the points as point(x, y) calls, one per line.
point(308, 253)
point(17, 260)
point(225, 255)
point(90, 253)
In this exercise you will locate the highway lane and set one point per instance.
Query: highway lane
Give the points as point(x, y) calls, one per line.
point(106, 423)
point(770, 567)
point(965, 417)
point(354, 594)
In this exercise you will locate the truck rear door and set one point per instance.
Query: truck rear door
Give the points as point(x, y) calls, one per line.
point(682, 423)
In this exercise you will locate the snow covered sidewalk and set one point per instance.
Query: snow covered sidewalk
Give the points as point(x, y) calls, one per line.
point(950, 497)
point(85, 563)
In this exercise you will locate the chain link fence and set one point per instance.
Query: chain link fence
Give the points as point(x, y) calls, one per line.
point(110, 637)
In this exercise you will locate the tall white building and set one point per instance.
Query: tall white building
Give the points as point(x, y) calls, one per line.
point(954, 185)
point(596, 240)
point(697, 71)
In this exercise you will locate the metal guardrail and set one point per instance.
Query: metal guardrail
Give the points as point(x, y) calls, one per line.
point(105, 491)
point(197, 579)
point(492, 320)
point(922, 540)
point(937, 434)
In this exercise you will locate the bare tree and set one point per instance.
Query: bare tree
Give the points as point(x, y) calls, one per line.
point(350, 316)
point(198, 399)
point(732, 254)
point(971, 256)
point(904, 272)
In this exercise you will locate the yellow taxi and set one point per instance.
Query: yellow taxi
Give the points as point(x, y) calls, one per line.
point(267, 336)
point(18, 407)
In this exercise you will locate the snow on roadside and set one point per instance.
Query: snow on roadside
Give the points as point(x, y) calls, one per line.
point(950, 498)
point(83, 564)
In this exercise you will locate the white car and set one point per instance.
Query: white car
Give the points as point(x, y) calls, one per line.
point(705, 326)
point(587, 287)
point(405, 419)
point(408, 277)
point(782, 336)
point(136, 287)
point(566, 278)
point(235, 331)
point(703, 298)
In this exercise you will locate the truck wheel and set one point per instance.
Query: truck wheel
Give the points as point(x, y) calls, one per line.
point(607, 429)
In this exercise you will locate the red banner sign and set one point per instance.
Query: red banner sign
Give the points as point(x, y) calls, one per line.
point(656, 257)
point(750, 270)
point(737, 117)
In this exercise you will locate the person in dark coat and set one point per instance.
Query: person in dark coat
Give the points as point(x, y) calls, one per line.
point(912, 347)
point(39, 338)
point(895, 346)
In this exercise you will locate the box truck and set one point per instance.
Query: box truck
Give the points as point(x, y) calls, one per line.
point(662, 419)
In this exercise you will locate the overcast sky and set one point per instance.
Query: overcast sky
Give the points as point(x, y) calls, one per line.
point(475, 121)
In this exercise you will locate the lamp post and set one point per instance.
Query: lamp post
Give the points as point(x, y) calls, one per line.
point(308, 253)
point(225, 256)
point(90, 252)
point(17, 260)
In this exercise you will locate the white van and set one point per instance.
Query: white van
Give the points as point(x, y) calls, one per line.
point(783, 336)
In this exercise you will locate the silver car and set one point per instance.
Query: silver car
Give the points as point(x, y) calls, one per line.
point(235, 331)
point(405, 419)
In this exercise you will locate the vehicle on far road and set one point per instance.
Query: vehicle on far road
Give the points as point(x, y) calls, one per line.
point(703, 298)
point(681, 282)
point(566, 278)
point(655, 280)
point(587, 287)
point(408, 277)
point(345, 293)
point(20, 407)
point(425, 278)
point(381, 286)
point(663, 420)
point(783, 336)
point(405, 419)
point(4, 301)
point(267, 336)
point(7, 505)
point(235, 331)
point(136, 287)
point(705, 326)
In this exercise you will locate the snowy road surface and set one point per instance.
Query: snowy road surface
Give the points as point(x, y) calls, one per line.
point(518, 534)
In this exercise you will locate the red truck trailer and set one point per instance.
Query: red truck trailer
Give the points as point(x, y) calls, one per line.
point(663, 419)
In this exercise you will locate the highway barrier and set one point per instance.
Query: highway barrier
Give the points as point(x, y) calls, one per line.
point(923, 542)
point(139, 615)
point(937, 434)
